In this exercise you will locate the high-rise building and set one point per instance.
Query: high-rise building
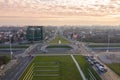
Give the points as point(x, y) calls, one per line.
point(34, 33)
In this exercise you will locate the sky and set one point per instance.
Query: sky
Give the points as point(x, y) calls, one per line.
point(59, 12)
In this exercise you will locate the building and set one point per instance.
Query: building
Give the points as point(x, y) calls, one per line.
point(34, 33)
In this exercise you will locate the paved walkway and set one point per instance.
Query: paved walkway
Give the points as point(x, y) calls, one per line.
point(78, 67)
point(7, 67)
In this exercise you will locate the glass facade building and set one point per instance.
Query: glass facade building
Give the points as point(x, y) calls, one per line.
point(34, 33)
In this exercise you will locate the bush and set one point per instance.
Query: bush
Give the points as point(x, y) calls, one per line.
point(4, 60)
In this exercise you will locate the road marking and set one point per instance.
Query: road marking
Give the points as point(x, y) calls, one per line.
point(23, 66)
point(15, 76)
point(78, 67)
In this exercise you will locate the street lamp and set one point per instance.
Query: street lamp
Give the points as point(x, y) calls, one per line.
point(11, 53)
point(108, 43)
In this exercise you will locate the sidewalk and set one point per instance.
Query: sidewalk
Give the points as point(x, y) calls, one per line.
point(78, 67)
point(8, 67)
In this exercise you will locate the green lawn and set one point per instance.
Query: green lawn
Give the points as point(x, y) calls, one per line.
point(92, 45)
point(17, 46)
point(51, 68)
point(57, 38)
point(85, 66)
point(115, 67)
point(59, 46)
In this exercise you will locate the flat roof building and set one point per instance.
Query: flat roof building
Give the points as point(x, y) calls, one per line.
point(34, 33)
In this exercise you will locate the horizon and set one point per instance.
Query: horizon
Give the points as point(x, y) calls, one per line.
point(60, 13)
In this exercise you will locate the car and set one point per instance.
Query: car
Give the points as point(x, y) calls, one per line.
point(45, 51)
point(100, 67)
point(86, 57)
point(90, 61)
point(95, 62)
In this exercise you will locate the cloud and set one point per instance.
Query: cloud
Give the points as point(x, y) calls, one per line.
point(75, 7)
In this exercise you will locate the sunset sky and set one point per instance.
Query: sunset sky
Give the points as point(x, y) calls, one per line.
point(59, 12)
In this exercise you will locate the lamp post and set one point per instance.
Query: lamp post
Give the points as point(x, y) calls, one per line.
point(108, 43)
point(11, 53)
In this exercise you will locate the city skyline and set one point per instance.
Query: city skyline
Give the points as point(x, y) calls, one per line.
point(60, 12)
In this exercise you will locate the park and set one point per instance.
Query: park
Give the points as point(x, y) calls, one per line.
point(58, 67)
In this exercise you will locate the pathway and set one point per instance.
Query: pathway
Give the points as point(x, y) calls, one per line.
point(78, 67)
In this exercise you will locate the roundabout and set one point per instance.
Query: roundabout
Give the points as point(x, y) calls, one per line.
point(57, 48)
point(57, 45)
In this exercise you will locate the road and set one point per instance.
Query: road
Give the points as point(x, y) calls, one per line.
point(17, 70)
point(23, 60)
point(15, 51)
point(109, 75)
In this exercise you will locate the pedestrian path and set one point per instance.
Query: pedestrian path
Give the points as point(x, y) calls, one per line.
point(78, 67)
point(8, 67)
